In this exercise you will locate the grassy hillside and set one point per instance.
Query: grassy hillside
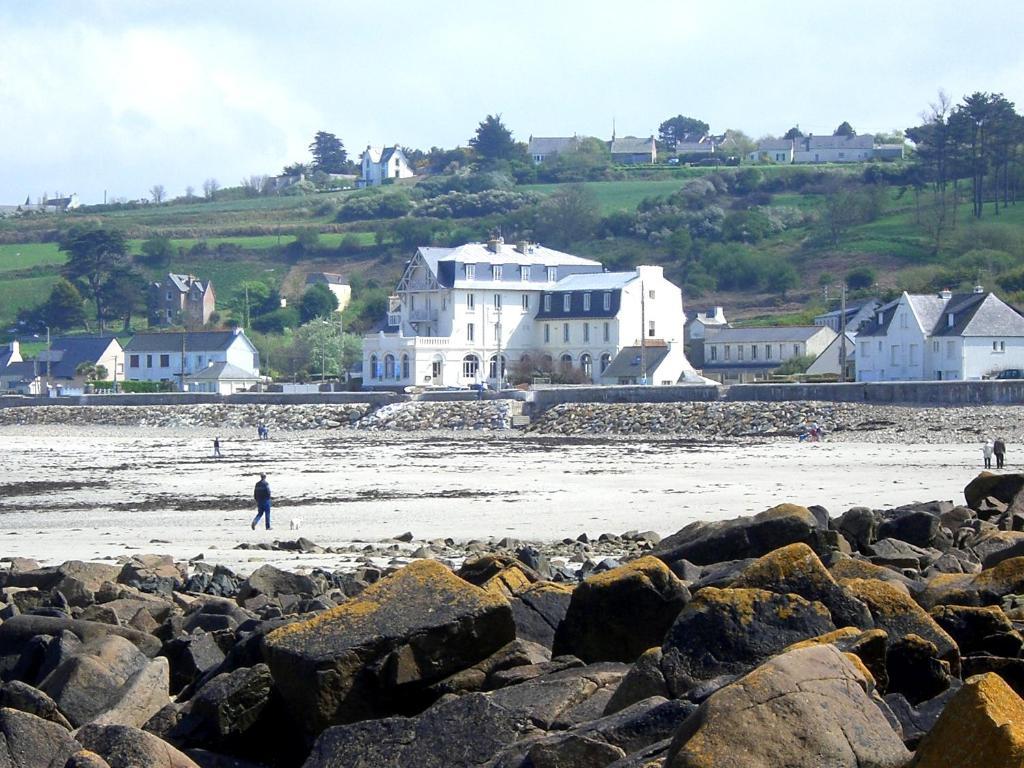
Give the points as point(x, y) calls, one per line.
point(785, 208)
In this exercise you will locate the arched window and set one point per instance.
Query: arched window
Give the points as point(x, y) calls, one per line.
point(470, 367)
point(405, 366)
point(389, 366)
point(374, 373)
point(492, 368)
point(565, 362)
point(547, 364)
point(606, 360)
point(437, 369)
point(587, 365)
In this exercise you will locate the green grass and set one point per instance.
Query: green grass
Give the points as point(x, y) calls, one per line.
point(261, 242)
point(616, 195)
point(25, 255)
point(21, 294)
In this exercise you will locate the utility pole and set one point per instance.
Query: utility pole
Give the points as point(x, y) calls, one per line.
point(842, 334)
point(183, 358)
point(643, 334)
point(48, 356)
point(247, 305)
point(497, 358)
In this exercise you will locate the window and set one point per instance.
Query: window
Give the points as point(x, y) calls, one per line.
point(405, 366)
point(389, 366)
point(470, 301)
point(566, 301)
point(547, 302)
point(199, 361)
point(566, 362)
point(497, 332)
point(586, 365)
point(714, 352)
point(471, 271)
point(796, 350)
point(149, 361)
point(437, 368)
point(552, 272)
point(650, 328)
point(374, 370)
point(586, 333)
point(586, 302)
point(767, 351)
point(412, 301)
point(879, 346)
point(497, 301)
point(607, 332)
point(894, 353)
point(565, 332)
point(526, 301)
point(739, 352)
point(950, 319)
point(168, 295)
point(935, 346)
point(496, 272)
point(650, 294)
point(133, 361)
point(1002, 346)
point(753, 351)
point(470, 332)
point(607, 301)
point(470, 366)
point(865, 349)
point(547, 333)
point(912, 354)
point(606, 360)
point(998, 346)
point(950, 349)
point(493, 367)
point(524, 273)
point(727, 351)
point(903, 319)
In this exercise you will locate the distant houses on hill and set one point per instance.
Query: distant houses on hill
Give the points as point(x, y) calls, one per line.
point(378, 164)
point(824, 149)
point(181, 300)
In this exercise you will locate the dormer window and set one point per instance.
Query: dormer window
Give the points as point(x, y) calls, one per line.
point(524, 273)
point(566, 302)
point(586, 302)
point(951, 319)
point(551, 274)
point(471, 271)
point(607, 301)
point(547, 302)
point(496, 272)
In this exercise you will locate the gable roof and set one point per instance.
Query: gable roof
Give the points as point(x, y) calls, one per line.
point(67, 353)
point(6, 353)
point(184, 283)
point(477, 253)
point(595, 281)
point(331, 278)
point(552, 145)
point(769, 145)
point(979, 314)
point(626, 364)
point(195, 341)
point(631, 145)
point(865, 141)
point(222, 372)
point(783, 333)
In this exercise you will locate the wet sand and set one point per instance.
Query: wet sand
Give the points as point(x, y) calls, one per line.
point(87, 493)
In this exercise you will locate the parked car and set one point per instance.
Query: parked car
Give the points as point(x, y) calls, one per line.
point(1011, 373)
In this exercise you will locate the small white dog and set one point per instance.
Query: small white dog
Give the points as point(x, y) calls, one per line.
point(294, 523)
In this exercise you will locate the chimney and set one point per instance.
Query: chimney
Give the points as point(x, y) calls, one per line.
point(946, 294)
point(523, 246)
point(979, 289)
point(495, 243)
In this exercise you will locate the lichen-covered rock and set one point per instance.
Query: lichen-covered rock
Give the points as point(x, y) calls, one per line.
point(1002, 486)
point(539, 610)
point(983, 724)
point(870, 646)
point(979, 630)
point(807, 708)
point(377, 654)
point(125, 747)
point(730, 631)
point(985, 588)
point(796, 569)
point(27, 741)
point(619, 614)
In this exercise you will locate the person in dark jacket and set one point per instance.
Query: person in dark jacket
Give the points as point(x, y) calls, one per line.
point(999, 449)
point(262, 496)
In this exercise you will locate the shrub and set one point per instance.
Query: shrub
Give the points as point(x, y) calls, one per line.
point(861, 277)
point(277, 321)
point(391, 205)
point(460, 205)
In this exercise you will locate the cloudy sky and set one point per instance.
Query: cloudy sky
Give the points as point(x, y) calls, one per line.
point(118, 95)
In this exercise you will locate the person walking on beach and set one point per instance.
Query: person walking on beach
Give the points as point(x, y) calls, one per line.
point(999, 449)
point(262, 496)
point(216, 447)
point(986, 451)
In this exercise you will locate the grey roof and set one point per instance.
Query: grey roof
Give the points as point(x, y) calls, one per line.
point(195, 341)
point(631, 145)
point(867, 141)
point(27, 369)
point(324, 277)
point(6, 353)
point(595, 281)
point(222, 372)
point(184, 282)
point(769, 145)
point(980, 314)
point(473, 253)
point(928, 309)
point(67, 353)
point(766, 334)
point(626, 364)
point(552, 145)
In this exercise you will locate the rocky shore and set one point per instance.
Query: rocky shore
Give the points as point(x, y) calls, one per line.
point(794, 637)
point(690, 421)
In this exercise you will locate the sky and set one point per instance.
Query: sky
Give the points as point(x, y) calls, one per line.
point(115, 96)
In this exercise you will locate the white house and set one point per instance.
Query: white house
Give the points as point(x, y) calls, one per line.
point(773, 151)
point(169, 356)
point(856, 316)
point(834, 149)
point(828, 362)
point(542, 148)
point(458, 311)
point(737, 355)
point(335, 284)
point(380, 163)
point(945, 337)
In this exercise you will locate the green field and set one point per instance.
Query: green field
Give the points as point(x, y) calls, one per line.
point(20, 294)
point(26, 255)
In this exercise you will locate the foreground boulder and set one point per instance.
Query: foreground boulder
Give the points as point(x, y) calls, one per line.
point(807, 708)
point(125, 747)
point(730, 631)
point(986, 588)
point(704, 543)
point(377, 654)
point(983, 724)
point(1001, 487)
point(619, 614)
point(27, 741)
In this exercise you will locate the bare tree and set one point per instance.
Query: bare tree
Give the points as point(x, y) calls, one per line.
point(255, 185)
point(157, 192)
point(210, 188)
point(190, 192)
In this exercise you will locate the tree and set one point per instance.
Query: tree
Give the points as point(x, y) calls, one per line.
point(676, 127)
point(328, 351)
point(255, 185)
point(860, 278)
point(295, 169)
point(124, 294)
point(795, 365)
point(157, 252)
point(328, 153)
point(94, 255)
point(737, 144)
point(568, 216)
point(493, 141)
point(793, 133)
point(318, 301)
point(91, 371)
point(210, 188)
point(844, 129)
point(63, 309)
point(782, 278)
point(157, 192)
point(190, 193)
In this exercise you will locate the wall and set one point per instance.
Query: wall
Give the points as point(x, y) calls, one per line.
point(542, 399)
point(931, 393)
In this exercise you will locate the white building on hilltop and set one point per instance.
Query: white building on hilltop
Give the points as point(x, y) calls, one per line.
point(381, 163)
point(458, 311)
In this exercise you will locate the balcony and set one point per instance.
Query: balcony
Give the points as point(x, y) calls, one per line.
point(422, 315)
point(394, 319)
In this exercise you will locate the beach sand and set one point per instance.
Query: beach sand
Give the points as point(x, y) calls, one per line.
point(99, 493)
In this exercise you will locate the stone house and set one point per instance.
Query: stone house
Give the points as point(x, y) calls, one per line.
point(181, 300)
